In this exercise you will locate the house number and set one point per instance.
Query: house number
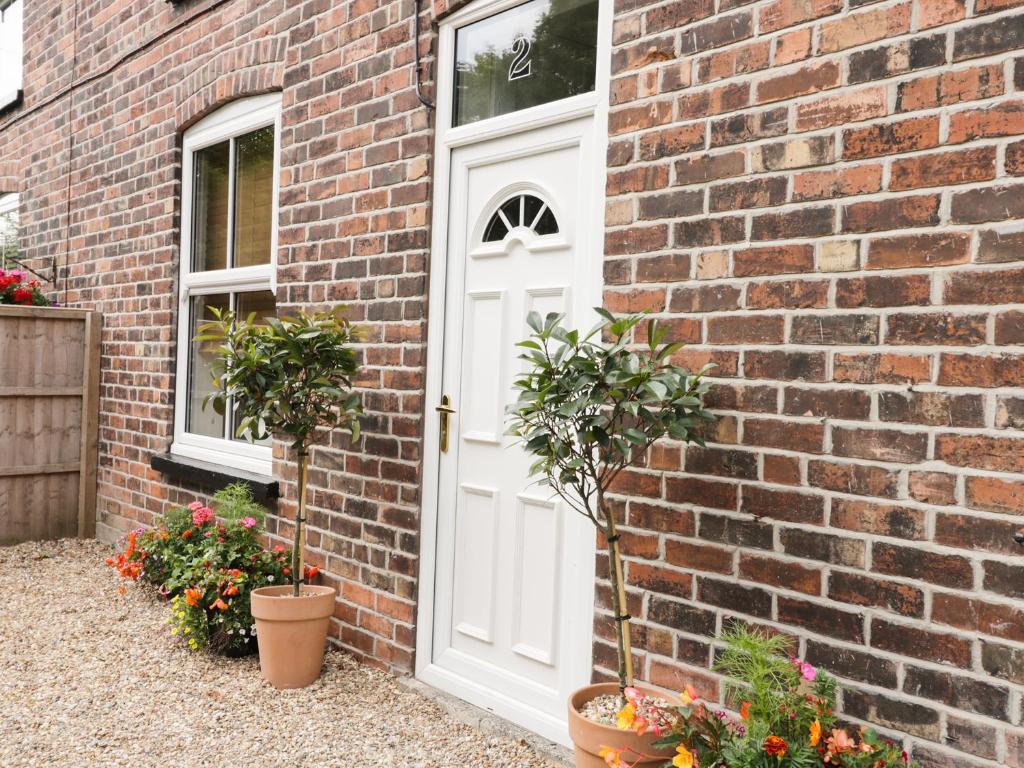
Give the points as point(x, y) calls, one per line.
point(521, 65)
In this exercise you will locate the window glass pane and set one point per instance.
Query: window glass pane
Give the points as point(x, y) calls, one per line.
point(531, 207)
point(8, 230)
point(200, 365)
point(496, 230)
point(547, 224)
point(541, 51)
point(11, 52)
point(264, 305)
point(254, 196)
point(210, 208)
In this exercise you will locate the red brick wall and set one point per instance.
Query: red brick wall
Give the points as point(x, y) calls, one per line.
point(825, 198)
point(114, 87)
point(819, 194)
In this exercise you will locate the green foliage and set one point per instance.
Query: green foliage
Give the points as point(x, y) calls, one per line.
point(587, 410)
point(760, 669)
point(236, 502)
point(286, 376)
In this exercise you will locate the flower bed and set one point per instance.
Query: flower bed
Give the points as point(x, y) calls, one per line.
point(206, 561)
point(786, 716)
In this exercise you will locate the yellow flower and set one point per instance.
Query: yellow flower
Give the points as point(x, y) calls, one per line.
point(612, 757)
point(815, 736)
point(688, 696)
point(626, 717)
point(683, 758)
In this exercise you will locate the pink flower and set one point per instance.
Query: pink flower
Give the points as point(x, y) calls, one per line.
point(808, 671)
point(195, 505)
point(248, 522)
point(202, 516)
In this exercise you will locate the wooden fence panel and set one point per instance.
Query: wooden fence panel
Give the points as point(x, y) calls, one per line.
point(49, 403)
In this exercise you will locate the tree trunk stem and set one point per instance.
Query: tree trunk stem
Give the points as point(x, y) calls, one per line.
point(298, 550)
point(619, 603)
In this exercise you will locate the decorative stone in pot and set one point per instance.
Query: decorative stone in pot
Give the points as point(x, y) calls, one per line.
point(589, 737)
point(292, 632)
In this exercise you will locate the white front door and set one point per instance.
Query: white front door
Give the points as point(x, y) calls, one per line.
point(514, 569)
point(507, 570)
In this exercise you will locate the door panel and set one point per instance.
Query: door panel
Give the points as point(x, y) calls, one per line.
point(513, 562)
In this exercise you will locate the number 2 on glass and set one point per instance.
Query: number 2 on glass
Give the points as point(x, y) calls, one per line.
point(521, 65)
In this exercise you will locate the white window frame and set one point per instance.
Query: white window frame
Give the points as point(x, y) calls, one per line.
point(12, 16)
point(231, 121)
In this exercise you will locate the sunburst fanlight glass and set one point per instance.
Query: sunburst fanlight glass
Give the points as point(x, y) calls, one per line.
point(525, 210)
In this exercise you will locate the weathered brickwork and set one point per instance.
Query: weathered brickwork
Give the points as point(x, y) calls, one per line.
point(825, 197)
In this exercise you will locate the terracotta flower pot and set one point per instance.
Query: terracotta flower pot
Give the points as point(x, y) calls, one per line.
point(589, 737)
point(292, 633)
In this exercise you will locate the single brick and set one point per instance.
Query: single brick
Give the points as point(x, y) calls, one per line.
point(881, 519)
point(922, 565)
point(858, 479)
point(783, 505)
point(859, 589)
point(893, 213)
point(880, 444)
point(944, 328)
point(780, 573)
point(773, 260)
point(884, 291)
point(891, 138)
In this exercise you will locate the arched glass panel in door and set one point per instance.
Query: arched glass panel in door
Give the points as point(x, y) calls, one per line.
point(524, 210)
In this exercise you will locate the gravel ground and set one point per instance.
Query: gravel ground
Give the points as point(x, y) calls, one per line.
point(92, 678)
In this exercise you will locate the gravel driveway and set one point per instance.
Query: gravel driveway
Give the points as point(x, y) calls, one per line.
point(92, 678)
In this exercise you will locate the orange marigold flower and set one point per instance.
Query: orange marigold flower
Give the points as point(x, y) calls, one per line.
point(745, 710)
point(815, 734)
point(187, 533)
point(775, 746)
point(219, 604)
point(192, 596)
point(230, 590)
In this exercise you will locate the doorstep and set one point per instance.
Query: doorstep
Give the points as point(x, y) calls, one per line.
point(488, 722)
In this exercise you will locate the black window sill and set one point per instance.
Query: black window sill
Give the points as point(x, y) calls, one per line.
point(213, 476)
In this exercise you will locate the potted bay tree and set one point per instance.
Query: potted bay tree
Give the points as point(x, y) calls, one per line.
point(290, 377)
point(589, 406)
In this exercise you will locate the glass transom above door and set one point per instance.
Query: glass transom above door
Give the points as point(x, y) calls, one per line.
point(535, 53)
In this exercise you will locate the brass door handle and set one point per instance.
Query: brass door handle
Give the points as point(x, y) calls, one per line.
point(445, 411)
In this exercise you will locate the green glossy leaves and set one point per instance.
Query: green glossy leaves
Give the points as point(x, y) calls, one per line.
point(590, 405)
point(288, 376)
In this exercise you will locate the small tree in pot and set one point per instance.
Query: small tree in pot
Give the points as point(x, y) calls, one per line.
point(290, 377)
point(590, 406)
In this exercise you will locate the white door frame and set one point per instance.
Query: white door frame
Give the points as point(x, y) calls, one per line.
point(580, 615)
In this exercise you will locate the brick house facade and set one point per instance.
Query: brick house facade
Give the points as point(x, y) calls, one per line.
point(825, 198)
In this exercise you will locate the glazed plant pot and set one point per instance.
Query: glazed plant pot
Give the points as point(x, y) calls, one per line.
point(292, 633)
point(589, 737)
